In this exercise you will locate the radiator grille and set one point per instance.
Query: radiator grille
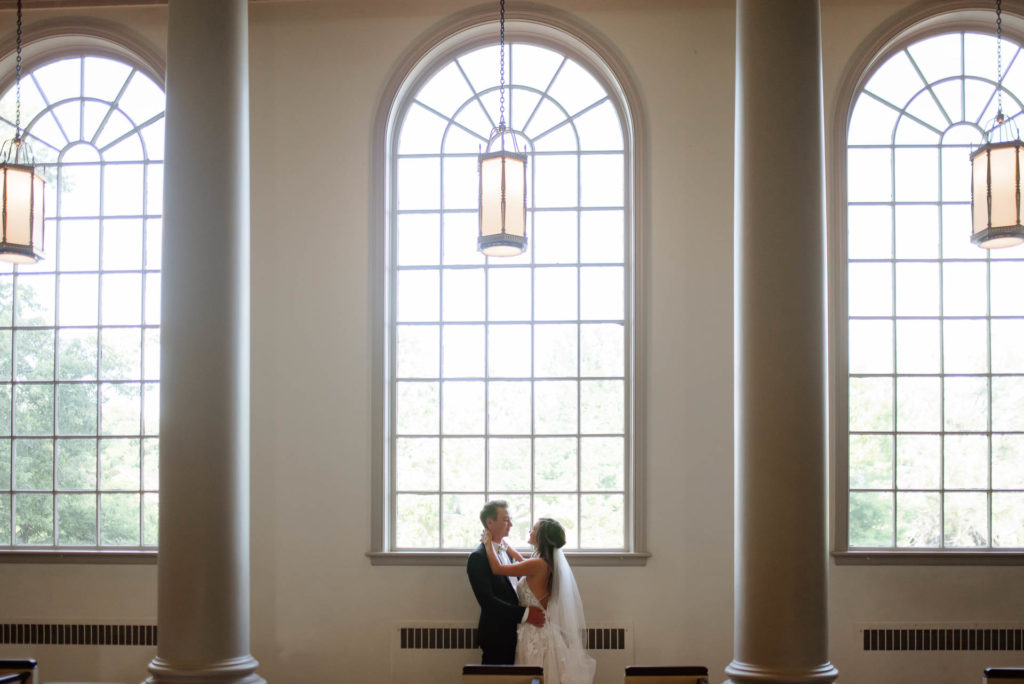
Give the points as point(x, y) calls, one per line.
point(944, 639)
point(78, 635)
point(446, 638)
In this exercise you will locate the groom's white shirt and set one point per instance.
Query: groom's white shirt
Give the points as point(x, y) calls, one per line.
point(503, 558)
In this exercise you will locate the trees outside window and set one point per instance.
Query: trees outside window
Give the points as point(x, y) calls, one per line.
point(80, 330)
point(510, 377)
point(936, 366)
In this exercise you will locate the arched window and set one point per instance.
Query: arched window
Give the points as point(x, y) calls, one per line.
point(934, 324)
point(80, 330)
point(510, 378)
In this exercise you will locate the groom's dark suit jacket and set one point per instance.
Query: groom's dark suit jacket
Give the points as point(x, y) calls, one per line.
point(500, 612)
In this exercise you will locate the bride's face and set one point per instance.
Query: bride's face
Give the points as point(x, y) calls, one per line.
point(533, 535)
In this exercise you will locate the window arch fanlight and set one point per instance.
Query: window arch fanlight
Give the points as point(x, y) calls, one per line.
point(511, 378)
point(80, 330)
point(928, 370)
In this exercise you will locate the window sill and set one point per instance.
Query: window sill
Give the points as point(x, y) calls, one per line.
point(85, 556)
point(951, 557)
point(595, 558)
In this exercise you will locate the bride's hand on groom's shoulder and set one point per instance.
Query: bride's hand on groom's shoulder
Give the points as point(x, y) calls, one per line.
point(485, 537)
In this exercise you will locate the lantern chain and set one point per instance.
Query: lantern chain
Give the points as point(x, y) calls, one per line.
point(17, 83)
point(999, 58)
point(501, 90)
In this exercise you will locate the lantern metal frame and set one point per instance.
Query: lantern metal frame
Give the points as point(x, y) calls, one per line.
point(1008, 235)
point(16, 158)
point(501, 243)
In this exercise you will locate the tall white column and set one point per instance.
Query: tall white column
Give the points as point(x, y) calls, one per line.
point(203, 571)
point(781, 571)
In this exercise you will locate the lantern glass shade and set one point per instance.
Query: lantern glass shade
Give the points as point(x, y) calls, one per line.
point(995, 194)
point(502, 204)
point(21, 232)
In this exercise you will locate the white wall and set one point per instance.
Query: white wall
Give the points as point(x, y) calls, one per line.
point(319, 608)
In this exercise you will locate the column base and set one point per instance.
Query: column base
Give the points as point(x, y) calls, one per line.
point(241, 670)
point(739, 673)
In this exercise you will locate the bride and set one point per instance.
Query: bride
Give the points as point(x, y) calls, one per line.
point(558, 646)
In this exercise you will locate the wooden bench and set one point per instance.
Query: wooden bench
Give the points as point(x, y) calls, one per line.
point(1004, 675)
point(502, 674)
point(21, 670)
point(638, 674)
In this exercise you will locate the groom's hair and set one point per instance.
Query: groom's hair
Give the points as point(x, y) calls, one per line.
point(490, 510)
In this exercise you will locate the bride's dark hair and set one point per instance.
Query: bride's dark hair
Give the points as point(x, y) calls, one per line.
point(549, 535)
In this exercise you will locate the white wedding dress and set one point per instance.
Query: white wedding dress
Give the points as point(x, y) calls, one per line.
point(558, 646)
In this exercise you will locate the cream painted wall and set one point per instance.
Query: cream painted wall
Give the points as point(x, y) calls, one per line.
point(319, 608)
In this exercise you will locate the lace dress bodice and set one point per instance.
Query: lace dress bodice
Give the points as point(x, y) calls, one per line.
point(546, 647)
point(526, 596)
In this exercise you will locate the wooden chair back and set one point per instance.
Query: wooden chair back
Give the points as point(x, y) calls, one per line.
point(639, 674)
point(502, 674)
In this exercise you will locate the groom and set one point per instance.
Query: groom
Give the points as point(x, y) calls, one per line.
point(500, 612)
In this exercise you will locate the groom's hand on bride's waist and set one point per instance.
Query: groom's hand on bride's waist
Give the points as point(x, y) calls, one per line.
point(535, 617)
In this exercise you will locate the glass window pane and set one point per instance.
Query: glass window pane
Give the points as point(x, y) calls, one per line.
point(418, 351)
point(509, 294)
point(76, 354)
point(1007, 464)
point(555, 408)
point(509, 464)
point(917, 233)
point(509, 408)
point(603, 521)
point(417, 408)
point(418, 521)
point(871, 346)
point(463, 351)
point(119, 519)
point(121, 299)
point(76, 409)
point(869, 232)
point(871, 461)
point(602, 406)
point(33, 409)
point(419, 240)
point(119, 464)
point(462, 466)
point(966, 404)
point(563, 508)
point(962, 288)
point(120, 409)
point(918, 520)
point(508, 351)
point(555, 350)
point(79, 294)
point(462, 520)
point(554, 237)
point(33, 519)
point(918, 404)
point(1007, 350)
point(418, 296)
point(871, 519)
point(917, 346)
point(870, 288)
point(871, 404)
point(463, 408)
point(917, 289)
point(918, 461)
point(966, 461)
point(463, 294)
point(555, 463)
point(33, 464)
point(965, 519)
point(33, 357)
point(602, 293)
point(602, 463)
point(1008, 520)
point(76, 519)
point(150, 518)
point(965, 346)
point(121, 353)
point(555, 293)
point(1008, 403)
point(76, 464)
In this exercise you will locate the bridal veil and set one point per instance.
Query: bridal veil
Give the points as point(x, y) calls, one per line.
point(565, 614)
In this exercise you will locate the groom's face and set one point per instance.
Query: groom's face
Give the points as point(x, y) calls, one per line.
point(499, 527)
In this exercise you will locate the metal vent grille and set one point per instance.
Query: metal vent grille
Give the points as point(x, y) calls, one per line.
point(447, 638)
point(78, 635)
point(944, 639)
